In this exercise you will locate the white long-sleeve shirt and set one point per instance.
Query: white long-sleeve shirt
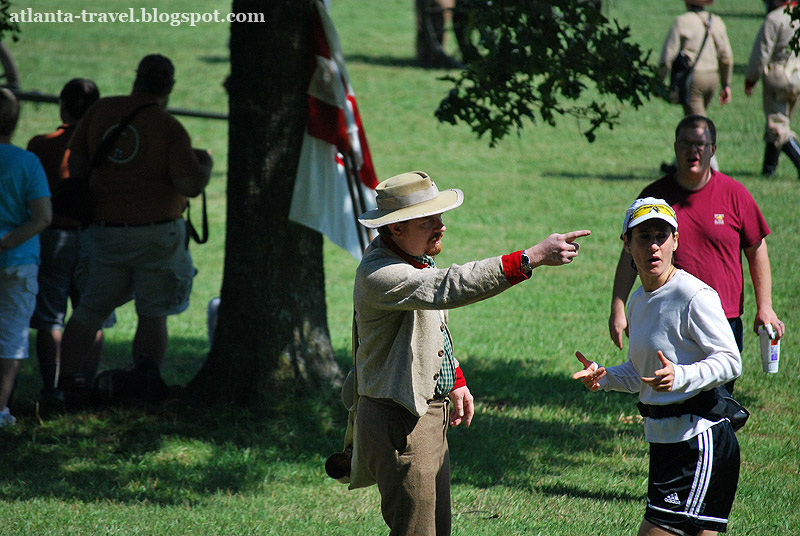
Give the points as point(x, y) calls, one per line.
point(684, 319)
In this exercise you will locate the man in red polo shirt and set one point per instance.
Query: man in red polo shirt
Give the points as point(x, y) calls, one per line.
point(719, 220)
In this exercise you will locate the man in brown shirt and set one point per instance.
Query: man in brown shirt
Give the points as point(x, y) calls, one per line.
point(136, 244)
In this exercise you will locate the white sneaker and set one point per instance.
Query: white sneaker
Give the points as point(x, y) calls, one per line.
point(6, 419)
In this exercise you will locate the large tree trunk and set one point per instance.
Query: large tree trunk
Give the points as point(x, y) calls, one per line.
point(272, 331)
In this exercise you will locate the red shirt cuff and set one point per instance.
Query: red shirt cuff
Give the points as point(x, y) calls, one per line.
point(512, 267)
point(460, 381)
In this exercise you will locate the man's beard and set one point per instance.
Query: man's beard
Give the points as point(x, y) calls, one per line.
point(436, 247)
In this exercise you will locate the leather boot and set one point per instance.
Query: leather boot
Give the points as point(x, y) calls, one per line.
point(792, 150)
point(771, 154)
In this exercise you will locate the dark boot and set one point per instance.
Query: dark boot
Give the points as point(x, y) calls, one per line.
point(792, 150)
point(771, 154)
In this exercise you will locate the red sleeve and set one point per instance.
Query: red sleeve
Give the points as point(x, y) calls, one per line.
point(512, 267)
point(460, 381)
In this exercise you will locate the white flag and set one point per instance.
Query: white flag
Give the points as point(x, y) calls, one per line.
point(326, 197)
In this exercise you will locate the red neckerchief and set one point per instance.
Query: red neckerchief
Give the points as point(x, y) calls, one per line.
point(405, 256)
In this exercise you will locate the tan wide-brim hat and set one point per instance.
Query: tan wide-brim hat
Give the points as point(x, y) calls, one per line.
point(408, 196)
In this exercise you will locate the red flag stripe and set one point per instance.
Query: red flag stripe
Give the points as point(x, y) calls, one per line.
point(327, 122)
point(319, 41)
point(367, 171)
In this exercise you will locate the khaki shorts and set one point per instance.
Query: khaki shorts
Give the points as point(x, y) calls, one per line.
point(18, 288)
point(150, 264)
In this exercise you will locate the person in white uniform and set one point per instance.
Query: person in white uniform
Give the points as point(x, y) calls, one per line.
point(681, 352)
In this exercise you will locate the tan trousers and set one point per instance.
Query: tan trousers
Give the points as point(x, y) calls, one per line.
point(705, 85)
point(409, 458)
point(780, 102)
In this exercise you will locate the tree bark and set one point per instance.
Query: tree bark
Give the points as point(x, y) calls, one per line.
point(272, 332)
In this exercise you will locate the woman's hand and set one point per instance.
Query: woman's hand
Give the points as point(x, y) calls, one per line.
point(664, 378)
point(591, 373)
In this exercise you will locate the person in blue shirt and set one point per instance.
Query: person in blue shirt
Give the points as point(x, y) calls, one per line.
point(25, 211)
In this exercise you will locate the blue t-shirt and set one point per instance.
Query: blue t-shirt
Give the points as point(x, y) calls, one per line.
point(22, 179)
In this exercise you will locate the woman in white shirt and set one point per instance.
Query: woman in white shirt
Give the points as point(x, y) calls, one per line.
point(681, 349)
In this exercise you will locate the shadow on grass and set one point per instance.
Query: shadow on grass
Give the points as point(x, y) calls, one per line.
point(604, 176)
point(740, 14)
point(530, 426)
point(184, 359)
point(533, 425)
point(174, 454)
point(384, 61)
point(215, 59)
point(733, 172)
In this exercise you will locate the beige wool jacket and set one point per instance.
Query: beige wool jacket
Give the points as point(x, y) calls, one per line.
point(686, 34)
point(771, 47)
point(399, 324)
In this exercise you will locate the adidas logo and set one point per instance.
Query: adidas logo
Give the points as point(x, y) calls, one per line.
point(672, 498)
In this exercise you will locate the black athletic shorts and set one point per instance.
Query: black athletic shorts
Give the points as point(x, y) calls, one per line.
point(693, 483)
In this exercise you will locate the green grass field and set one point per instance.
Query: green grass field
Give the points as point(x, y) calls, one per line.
point(543, 456)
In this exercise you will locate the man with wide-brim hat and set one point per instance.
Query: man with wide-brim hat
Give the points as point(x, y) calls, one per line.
point(406, 375)
point(408, 196)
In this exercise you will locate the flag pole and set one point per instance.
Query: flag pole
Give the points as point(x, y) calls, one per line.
point(355, 196)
